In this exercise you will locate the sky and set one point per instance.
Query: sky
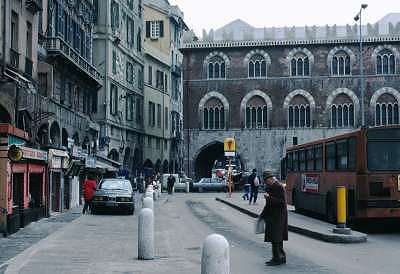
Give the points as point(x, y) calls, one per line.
point(207, 14)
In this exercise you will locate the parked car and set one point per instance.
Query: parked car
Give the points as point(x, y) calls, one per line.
point(114, 194)
point(213, 184)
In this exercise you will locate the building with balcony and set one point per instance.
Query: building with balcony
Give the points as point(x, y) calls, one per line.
point(118, 55)
point(271, 88)
point(163, 114)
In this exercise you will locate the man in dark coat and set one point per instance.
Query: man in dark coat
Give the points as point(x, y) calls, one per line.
point(275, 216)
point(170, 183)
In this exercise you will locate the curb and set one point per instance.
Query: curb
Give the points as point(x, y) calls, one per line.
point(330, 238)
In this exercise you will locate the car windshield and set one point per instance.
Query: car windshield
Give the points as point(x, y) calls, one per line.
point(115, 185)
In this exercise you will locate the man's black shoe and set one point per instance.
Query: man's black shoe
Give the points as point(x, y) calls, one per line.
point(274, 262)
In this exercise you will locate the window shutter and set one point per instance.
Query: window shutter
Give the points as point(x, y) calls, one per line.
point(147, 29)
point(161, 28)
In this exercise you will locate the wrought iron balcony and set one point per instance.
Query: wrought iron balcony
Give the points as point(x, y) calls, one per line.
point(33, 6)
point(176, 70)
point(57, 46)
point(14, 58)
point(28, 66)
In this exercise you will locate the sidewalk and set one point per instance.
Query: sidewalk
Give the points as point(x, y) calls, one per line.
point(301, 224)
point(26, 237)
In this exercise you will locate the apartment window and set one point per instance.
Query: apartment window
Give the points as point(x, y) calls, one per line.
point(166, 83)
point(165, 145)
point(14, 31)
point(29, 40)
point(130, 4)
point(154, 29)
point(166, 117)
point(160, 80)
point(130, 32)
point(113, 99)
point(158, 143)
point(149, 141)
point(114, 15)
point(94, 102)
point(159, 115)
point(42, 81)
point(114, 62)
point(130, 101)
point(140, 8)
point(139, 41)
point(139, 111)
point(129, 72)
point(150, 76)
point(140, 79)
point(152, 114)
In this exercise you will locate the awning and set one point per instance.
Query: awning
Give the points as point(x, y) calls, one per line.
point(58, 153)
point(105, 166)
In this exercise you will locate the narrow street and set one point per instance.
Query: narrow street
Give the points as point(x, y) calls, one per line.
point(108, 244)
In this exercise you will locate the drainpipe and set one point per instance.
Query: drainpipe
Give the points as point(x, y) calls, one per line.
point(4, 36)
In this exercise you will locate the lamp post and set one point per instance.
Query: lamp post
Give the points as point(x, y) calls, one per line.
point(358, 18)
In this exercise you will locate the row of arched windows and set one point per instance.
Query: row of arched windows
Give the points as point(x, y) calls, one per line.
point(300, 64)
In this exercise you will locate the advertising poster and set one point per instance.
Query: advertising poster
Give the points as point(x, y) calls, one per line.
point(310, 183)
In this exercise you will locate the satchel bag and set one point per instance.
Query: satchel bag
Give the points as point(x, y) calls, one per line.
point(259, 226)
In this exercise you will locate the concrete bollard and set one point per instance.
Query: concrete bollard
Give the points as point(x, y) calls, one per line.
point(146, 234)
point(215, 255)
point(187, 187)
point(148, 203)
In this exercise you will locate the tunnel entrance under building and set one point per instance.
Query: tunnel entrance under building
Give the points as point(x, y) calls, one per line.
point(205, 159)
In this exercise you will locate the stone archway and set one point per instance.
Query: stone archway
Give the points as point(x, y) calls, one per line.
point(205, 158)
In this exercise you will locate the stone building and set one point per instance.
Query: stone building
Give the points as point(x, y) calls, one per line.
point(272, 87)
point(118, 55)
point(164, 27)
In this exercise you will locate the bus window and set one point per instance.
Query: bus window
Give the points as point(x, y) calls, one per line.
point(302, 158)
point(330, 156)
point(352, 153)
point(290, 161)
point(310, 159)
point(295, 161)
point(318, 158)
point(341, 154)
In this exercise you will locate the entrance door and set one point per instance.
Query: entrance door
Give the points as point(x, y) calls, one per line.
point(18, 197)
point(55, 192)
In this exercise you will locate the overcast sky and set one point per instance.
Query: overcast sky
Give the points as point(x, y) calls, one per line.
point(207, 14)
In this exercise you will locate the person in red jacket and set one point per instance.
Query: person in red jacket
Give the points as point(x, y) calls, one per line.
point(89, 187)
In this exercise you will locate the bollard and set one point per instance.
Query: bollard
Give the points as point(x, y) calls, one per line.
point(149, 194)
point(148, 203)
point(187, 187)
point(215, 255)
point(155, 195)
point(341, 211)
point(146, 234)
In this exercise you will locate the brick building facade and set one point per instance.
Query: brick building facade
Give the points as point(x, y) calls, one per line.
point(270, 87)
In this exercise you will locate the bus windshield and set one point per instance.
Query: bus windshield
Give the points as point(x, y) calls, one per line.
point(384, 150)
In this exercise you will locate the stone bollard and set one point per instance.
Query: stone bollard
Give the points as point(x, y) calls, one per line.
point(155, 195)
point(148, 203)
point(146, 234)
point(215, 256)
point(187, 187)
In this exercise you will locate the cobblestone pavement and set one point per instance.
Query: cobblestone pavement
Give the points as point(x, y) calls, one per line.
point(34, 232)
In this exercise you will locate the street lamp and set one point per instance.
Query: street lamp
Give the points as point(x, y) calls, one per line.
point(358, 18)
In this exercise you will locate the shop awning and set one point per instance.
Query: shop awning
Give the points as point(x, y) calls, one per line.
point(105, 166)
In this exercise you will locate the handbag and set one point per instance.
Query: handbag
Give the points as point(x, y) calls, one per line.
point(259, 226)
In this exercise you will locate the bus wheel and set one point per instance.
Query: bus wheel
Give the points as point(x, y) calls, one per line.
point(330, 209)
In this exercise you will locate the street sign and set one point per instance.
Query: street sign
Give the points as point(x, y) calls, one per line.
point(230, 144)
point(230, 154)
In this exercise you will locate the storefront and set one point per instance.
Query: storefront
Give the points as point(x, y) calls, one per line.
point(23, 180)
point(60, 185)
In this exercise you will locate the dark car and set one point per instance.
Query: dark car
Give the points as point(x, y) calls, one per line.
point(114, 194)
point(213, 184)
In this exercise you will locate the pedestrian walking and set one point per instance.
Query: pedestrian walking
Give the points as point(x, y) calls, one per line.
point(170, 183)
point(275, 216)
point(246, 190)
point(254, 182)
point(89, 187)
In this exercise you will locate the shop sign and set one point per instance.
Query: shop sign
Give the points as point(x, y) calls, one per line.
point(56, 162)
point(310, 183)
point(229, 147)
point(90, 162)
point(34, 154)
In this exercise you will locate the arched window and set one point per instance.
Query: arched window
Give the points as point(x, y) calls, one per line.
point(213, 115)
point(257, 67)
point(300, 65)
point(386, 114)
point(341, 64)
point(256, 113)
point(385, 62)
point(216, 68)
point(299, 112)
point(342, 115)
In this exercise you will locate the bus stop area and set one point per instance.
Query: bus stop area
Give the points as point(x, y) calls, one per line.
point(297, 223)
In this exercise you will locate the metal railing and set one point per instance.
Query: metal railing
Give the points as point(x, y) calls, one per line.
point(14, 58)
point(56, 44)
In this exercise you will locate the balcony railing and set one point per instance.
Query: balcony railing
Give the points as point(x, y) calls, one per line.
point(14, 58)
point(28, 66)
point(176, 70)
point(58, 45)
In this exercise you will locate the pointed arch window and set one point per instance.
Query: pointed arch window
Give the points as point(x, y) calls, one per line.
point(216, 68)
point(385, 62)
point(300, 65)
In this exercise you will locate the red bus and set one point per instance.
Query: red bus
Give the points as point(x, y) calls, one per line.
point(365, 161)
